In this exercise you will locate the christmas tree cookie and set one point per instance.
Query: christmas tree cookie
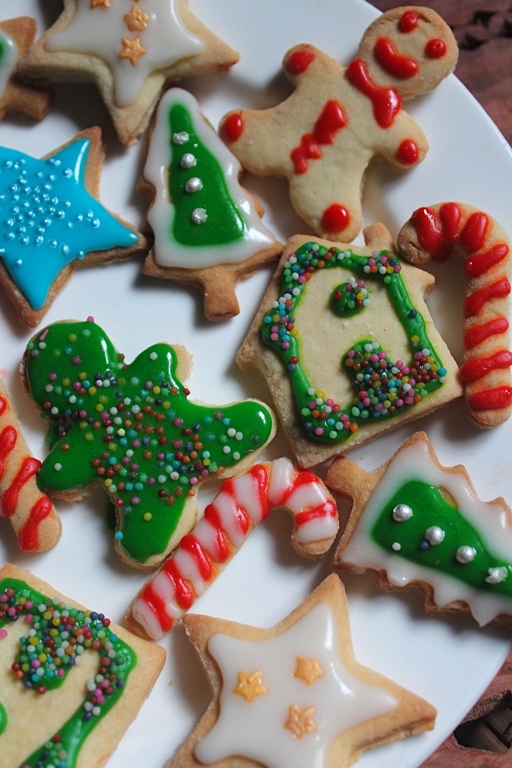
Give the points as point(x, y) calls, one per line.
point(131, 49)
point(346, 344)
point(294, 694)
point(207, 228)
point(71, 681)
point(420, 525)
point(338, 120)
point(131, 429)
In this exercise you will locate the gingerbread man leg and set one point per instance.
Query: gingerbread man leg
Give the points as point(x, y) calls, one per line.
point(242, 503)
point(437, 231)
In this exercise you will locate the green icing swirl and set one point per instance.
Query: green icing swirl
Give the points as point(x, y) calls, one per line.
point(224, 223)
point(434, 509)
point(132, 429)
point(383, 388)
point(57, 635)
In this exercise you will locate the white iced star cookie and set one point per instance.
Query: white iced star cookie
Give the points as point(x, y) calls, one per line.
point(130, 50)
point(294, 694)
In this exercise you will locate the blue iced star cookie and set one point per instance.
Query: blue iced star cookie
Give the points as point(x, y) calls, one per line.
point(50, 221)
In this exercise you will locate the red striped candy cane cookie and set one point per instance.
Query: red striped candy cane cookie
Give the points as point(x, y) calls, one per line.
point(31, 513)
point(435, 233)
point(242, 502)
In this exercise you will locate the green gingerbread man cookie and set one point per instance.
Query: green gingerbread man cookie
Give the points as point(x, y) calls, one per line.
point(131, 429)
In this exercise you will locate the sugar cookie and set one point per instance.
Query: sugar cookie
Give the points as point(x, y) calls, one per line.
point(434, 232)
point(16, 36)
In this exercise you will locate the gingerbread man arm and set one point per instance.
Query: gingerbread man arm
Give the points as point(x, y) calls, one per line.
point(437, 231)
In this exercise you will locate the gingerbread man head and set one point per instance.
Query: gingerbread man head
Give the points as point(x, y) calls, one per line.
point(409, 49)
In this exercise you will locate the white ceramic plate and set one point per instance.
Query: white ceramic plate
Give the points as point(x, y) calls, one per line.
point(447, 661)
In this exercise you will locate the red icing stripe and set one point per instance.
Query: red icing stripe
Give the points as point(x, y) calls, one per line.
point(500, 289)
point(437, 236)
point(158, 606)
point(476, 368)
point(8, 438)
point(28, 538)
point(481, 263)
point(191, 545)
point(331, 120)
point(386, 101)
point(322, 511)
point(480, 333)
point(499, 397)
point(27, 470)
point(397, 65)
point(474, 232)
point(3, 405)
point(221, 540)
point(184, 594)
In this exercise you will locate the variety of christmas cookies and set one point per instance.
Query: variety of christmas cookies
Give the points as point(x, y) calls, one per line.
point(279, 696)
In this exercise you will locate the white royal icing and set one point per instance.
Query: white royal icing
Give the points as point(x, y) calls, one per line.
point(336, 699)
point(7, 60)
point(99, 30)
point(415, 462)
point(168, 252)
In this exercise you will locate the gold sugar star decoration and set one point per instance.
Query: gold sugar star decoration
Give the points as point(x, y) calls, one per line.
point(136, 20)
point(100, 3)
point(132, 50)
point(250, 686)
point(300, 721)
point(308, 670)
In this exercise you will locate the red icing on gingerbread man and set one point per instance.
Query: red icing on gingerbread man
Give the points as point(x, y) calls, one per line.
point(323, 137)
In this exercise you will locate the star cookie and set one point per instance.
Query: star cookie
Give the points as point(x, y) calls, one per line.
point(207, 228)
point(264, 713)
point(324, 136)
point(131, 49)
point(53, 223)
point(16, 36)
point(347, 345)
point(131, 429)
point(421, 526)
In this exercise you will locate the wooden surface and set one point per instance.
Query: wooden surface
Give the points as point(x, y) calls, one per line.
point(483, 29)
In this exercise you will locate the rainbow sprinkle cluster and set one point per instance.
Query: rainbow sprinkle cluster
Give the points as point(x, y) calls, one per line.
point(382, 387)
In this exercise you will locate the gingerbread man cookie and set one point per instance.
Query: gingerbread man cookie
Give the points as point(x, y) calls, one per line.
point(434, 233)
point(207, 228)
point(347, 346)
point(131, 429)
point(16, 37)
point(130, 50)
point(323, 137)
point(421, 526)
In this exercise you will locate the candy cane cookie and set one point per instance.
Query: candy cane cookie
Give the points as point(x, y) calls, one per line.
point(31, 513)
point(242, 502)
point(434, 233)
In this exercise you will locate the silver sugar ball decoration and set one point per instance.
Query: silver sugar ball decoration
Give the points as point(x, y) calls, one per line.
point(434, 535)
point(465, 554)
point(188, 160)
point(180, 137)
point(194, 184)
point(198, 216)
point(402, 512)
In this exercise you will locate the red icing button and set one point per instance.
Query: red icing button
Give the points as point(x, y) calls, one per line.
point(300, 60)
point(335, 218)
point(408, 21)
point(233, 127)
point(435, 48)
point(408, 152)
